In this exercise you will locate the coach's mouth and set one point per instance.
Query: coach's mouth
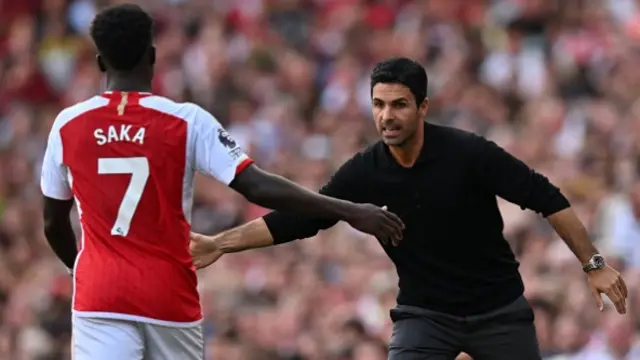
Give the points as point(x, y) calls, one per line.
point(391, 131)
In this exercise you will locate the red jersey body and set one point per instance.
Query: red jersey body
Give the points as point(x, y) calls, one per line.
point(129, 160)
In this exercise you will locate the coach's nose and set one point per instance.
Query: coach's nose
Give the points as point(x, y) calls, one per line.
point(386, 115)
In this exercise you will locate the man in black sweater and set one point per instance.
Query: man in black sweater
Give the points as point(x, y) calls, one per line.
point(460, 289)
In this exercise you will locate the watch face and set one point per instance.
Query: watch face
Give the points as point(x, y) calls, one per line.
point(598, 261)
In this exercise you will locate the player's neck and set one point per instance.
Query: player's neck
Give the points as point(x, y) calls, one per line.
point(128, 83)
point(407, 154)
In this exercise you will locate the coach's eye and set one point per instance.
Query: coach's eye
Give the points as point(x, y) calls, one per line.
point(400, 105)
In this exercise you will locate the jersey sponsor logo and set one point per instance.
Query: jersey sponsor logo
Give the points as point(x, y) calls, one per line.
point(225, 139)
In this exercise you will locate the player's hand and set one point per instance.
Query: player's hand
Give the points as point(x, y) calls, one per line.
point(609, 282)
point(379, 222)
point(204, 250)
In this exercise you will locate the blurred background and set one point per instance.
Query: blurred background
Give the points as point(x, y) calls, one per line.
point(553, 81)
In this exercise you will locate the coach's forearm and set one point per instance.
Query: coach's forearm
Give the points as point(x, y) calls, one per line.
point(62, 240)
point(574, 234)
point(275, 192)
point(251, 235)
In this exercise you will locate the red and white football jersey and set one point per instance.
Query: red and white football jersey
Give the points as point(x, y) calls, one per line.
point(129, 160)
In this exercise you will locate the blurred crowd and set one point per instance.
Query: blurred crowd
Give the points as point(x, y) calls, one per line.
point(552, 81)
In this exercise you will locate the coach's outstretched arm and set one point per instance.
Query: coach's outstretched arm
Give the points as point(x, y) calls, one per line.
point(207, 249)
point(279, 227)
point(511, 179)
point(273, 229)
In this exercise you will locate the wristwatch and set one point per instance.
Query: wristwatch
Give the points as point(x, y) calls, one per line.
point(596, 262)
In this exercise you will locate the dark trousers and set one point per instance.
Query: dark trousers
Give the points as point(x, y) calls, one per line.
point(507, 333)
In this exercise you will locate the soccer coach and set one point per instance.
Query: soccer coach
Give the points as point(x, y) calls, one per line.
point(460, 289)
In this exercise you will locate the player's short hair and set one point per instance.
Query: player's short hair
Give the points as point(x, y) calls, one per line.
point(122, 34)
point(400, 70)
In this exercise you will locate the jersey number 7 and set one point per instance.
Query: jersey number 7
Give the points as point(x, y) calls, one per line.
point(138, 167)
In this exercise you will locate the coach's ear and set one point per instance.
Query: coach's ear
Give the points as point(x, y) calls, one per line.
point(101, 65)
point(152, 55)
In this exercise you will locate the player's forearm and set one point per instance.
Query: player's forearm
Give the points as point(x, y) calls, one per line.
point(58, 229)
point(62, 240)
point(251, 235)
point(275, 192)
point(574, 234)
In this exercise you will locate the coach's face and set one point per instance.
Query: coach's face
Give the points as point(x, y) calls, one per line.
point(396, 113)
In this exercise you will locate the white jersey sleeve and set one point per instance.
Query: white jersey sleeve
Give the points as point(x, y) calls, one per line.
point(216, 153)
point(54, 180)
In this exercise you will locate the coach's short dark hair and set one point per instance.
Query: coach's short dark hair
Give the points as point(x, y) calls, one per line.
point(122, 34)
point(403, 71)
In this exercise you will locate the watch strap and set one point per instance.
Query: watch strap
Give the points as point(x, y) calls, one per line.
point(588, 267)
point(596, 262)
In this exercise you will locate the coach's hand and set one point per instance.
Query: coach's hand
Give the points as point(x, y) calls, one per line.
point(608, 281)
point(204, 250)
point(379, 222)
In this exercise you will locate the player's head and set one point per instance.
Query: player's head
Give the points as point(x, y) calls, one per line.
point(399, 99)
point(123, 35)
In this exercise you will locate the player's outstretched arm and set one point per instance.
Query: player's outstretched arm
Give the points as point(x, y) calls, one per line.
point(218, 155)
point(275, 192)
point(59, 231)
